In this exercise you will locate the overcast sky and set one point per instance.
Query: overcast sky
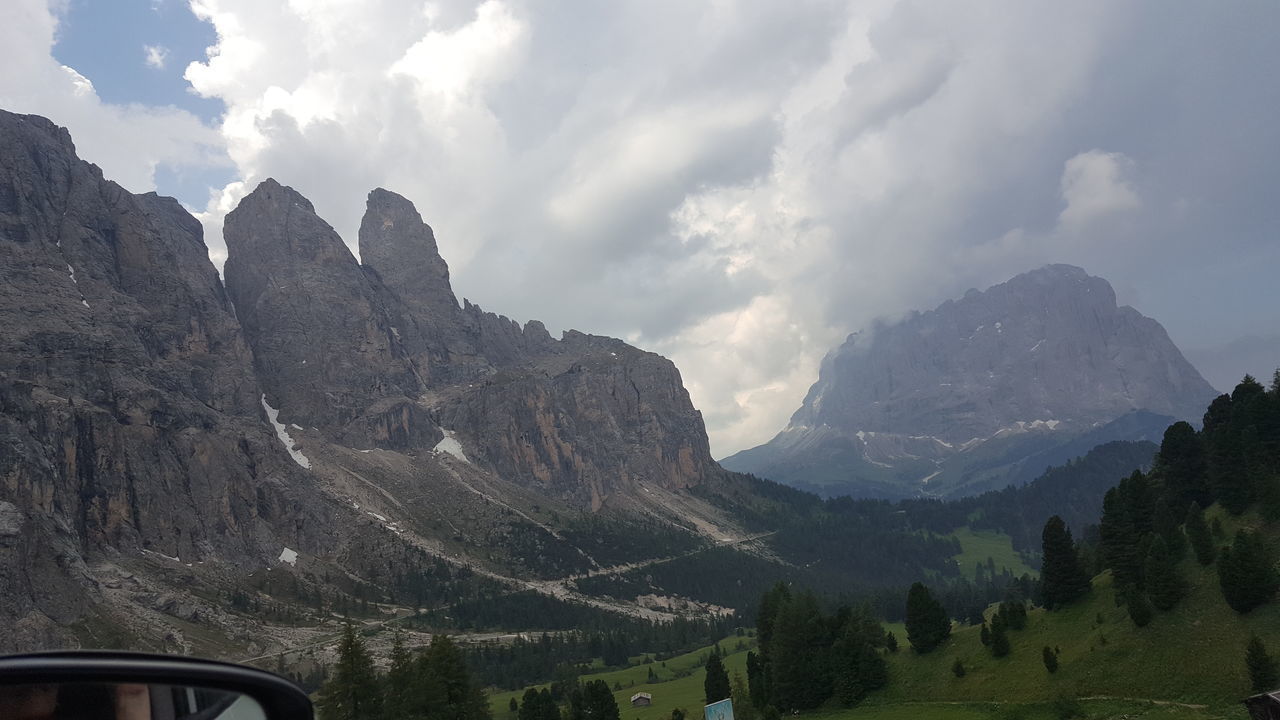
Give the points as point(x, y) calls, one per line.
point(736, 185)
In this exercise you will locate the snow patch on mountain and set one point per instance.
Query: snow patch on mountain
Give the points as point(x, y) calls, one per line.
point(283, 434)
point(451, 446)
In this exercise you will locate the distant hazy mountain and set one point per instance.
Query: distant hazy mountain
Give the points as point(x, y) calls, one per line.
point(982, 391)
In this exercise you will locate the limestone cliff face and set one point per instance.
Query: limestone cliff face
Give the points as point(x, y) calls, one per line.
point(593, 417)
point(324, 345)
point(129, 411)
point(166, 444)
point(1046, 354)
point(584, 417)
point(387, 346)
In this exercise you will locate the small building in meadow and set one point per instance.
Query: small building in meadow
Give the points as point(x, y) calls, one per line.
point(641, 699)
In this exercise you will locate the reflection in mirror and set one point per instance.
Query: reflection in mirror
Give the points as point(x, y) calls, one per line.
point(124, 701)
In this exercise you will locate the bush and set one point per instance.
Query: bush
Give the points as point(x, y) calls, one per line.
point(958, 668)
point(1050, 659)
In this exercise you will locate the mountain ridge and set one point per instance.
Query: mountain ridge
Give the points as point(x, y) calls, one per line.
point(1047, 354)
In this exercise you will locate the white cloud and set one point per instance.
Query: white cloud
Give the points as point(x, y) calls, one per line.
point(736, 184)
point(1094, 185)
point(155, 56)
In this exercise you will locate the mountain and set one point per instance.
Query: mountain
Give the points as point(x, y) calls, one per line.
point(982, 391)
point(192, 467)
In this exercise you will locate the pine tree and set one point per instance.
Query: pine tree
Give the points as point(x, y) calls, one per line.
point(985, 635)
point(598, 702)
point(800, 670)
point(999, 637)
point(353, 692)
point(1183, 466)
point(743, 709)
point(1165, 585)
point(716, 684)
point(928, 624)
point(957, 668)
point(1169, 527)
point(891, 642)
point(1139, 607)
point(1119, 539)
point(755, 681)
point(1198, 535)
point(1262, 668)
point(398, 697)
point(1050, 659)
point(458, 697)
point(1246, 573)
point(547, 708)
point(1062, 577)
point(530, 705)
point(856, 665)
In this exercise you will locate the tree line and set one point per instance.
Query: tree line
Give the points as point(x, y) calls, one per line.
point(808, 656)
point(432, 683)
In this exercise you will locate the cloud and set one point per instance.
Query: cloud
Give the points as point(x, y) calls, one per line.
point(737, 183)
point(129, 142)
point(155, 56)
point(1094, 185)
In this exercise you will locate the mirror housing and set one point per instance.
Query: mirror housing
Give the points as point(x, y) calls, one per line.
point(280, 699)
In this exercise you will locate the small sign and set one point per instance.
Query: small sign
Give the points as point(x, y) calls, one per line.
point(722, 710)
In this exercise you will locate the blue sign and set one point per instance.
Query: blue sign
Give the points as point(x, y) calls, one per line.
point(722, 710)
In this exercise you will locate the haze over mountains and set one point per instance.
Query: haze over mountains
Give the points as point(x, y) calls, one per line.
point(981, 391)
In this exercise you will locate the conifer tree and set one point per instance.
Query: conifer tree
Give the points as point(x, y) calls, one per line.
point(1165, 585)
point(444, 667)
point(891, 642)
point(353, 692)
point(513, 707)
point(985, 635)
point(716, 683)
point(1062, 577)
point(755, 681)
point(1050, 659)
point(1169, 527)
point(598, 702)
point(1262, 668)
point(1246, 573)
point(856, 665)
point(1119, 539)
point(928, 624)
point(743, 708)
point(1198, 535)
point(999, 637)
point(1183, 466)
point(530, 705)
point(546, 707)
point(398, 697)
point(1139, 607)
point(801, 674)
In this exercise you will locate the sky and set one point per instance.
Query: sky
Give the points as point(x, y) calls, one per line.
point(736, 185)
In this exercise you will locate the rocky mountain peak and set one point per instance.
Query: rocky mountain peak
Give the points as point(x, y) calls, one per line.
point(401, 248)
point(1047, 351)
point(323, 344)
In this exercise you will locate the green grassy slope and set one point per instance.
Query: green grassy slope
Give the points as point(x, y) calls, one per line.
point(978, 545)
point(1194, 654)
point(670, 692)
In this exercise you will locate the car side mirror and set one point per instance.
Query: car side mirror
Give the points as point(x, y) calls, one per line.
point(104, 685)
